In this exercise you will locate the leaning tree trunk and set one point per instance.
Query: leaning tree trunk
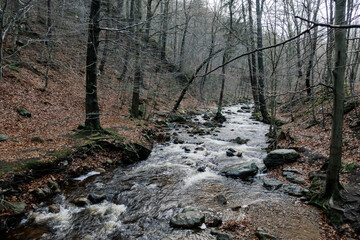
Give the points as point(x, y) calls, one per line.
point(92, 121)
point(263, 109)
point(332, 175)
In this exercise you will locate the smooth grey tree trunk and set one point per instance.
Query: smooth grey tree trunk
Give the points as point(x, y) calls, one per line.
point(92, 121)
point(332, 175)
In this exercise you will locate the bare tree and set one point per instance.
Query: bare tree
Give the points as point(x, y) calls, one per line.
point(92, 121)
point(332, 175)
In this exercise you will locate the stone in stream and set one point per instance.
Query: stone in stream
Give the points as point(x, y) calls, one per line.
point(96, 198)
point(242, 171)
point(279, 157)
point(80, 202)
point(272, 184)
point(178, 141)
point(220, 199)
point(239, 140)
point(53, 208)
point(188, 218)
point(186, 149)
point(230, 152)
point(201, 169)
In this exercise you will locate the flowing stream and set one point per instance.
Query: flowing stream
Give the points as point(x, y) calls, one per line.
point(142, 198)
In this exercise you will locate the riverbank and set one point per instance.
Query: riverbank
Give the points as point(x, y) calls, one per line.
point(186, 173)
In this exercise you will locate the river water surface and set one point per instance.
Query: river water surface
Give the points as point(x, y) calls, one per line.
point(142, 198)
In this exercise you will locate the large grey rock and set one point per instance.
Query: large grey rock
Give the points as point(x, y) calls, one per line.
point(291, 177)
point(242, 171)
point(294, 190)
point(272, 184)
point(3, 137)
point(188, 218)
point(279, 157)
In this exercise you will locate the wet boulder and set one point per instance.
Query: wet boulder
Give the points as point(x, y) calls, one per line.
point(188, 218)
point(80, 202)
point(240, 140)
point(272, 184)
point(96, 198)
point(230, 152)
point(242, 171)
point(279, 157)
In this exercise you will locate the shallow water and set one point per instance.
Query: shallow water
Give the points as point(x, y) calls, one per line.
point(142, 198)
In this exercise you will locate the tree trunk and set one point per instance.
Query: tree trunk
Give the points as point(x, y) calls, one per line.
point(252, 61)
point(183, 40)
point(137, 71)
point(226, 55)
point(148, 20)
point(329, 45)
point(106, 43)
point(2, 37)
point(164, 29)
point(92, 107)
point(263, 109)
point(332, 175)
